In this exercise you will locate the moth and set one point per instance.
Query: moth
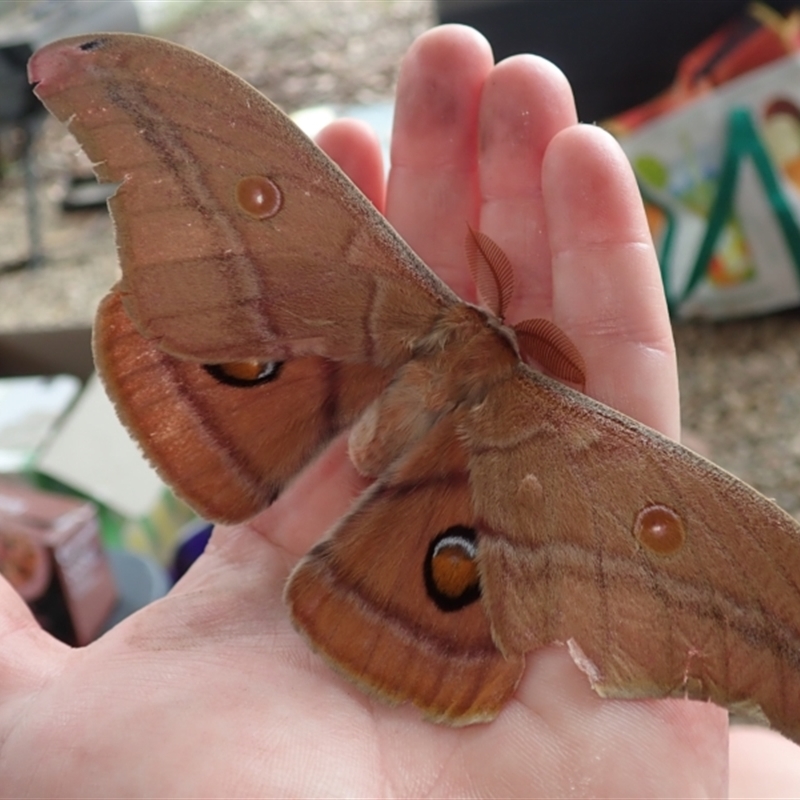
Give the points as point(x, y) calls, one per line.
point(265, 306)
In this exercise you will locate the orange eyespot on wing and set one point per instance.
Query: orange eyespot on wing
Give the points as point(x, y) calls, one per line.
point(245, 373)
point(451, 569)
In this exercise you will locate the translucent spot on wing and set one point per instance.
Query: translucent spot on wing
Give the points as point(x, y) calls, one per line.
point(660, 529)
point(259, 197)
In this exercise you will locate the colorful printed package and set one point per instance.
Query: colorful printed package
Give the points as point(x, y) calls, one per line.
point(718, 161)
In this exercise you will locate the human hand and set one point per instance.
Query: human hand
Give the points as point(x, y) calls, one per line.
point(211, 692)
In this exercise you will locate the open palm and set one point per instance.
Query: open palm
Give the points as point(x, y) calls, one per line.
point(211, 692)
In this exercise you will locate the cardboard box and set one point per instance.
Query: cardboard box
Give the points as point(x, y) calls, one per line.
point(50, 552)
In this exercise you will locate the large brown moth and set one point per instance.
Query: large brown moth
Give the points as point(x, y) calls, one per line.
point(265, 306)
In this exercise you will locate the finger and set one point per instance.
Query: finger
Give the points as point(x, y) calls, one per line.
point(607, 291)
point(614, 748)
point(433, 191)
point(355, 147)
point(525, 102)
point(313, 502)
point(763, 763)
point(27, 653)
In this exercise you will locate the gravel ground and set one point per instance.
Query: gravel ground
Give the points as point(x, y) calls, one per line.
point(740, 380)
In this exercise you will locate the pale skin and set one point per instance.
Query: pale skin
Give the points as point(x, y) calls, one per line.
point(211, 692)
